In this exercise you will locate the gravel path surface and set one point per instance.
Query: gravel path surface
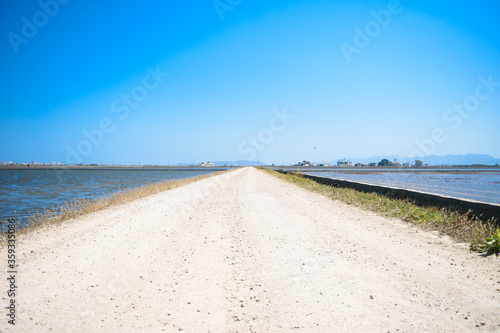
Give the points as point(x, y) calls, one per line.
point(245, 251)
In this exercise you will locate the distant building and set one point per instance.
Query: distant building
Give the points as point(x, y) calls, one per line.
point(207, 164)
point(309, 164)
point(344, 163)
point(397, 164)
point(303, 164)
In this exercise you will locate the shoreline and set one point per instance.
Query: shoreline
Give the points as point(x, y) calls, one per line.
point(465, 169)
point(481, 209)
point(57, 214)
point(425, 213)
point(318, 169)
point(109, 167)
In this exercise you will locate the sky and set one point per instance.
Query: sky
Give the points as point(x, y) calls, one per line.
point(166, 82)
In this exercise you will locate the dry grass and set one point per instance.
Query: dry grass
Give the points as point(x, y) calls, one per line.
point(461, 227)
point(76, 208)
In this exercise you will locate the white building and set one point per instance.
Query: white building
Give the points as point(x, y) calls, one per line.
point(303, 164)
point(344, 163)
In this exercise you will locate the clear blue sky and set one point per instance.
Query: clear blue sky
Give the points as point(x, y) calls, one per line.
point(262, 80)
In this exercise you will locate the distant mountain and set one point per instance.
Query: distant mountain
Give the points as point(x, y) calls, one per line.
point(467, 159)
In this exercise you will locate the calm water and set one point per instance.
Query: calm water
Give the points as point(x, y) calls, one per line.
point(31, 190)
point(476, 184)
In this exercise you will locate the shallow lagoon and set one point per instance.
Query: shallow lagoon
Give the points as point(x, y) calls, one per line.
point(475, 184)
point(23, 190)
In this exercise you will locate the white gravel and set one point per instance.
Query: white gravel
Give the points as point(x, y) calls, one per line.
point(247, 252)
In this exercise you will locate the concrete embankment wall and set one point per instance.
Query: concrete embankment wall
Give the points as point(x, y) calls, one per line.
point(480, 209)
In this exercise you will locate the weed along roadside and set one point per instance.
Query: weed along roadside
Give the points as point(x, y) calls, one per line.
point(80, 207)
point(461, 226)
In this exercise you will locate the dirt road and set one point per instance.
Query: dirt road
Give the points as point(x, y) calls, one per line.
point(248, 252)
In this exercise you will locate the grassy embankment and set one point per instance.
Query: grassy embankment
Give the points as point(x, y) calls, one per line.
point(461, 227)
point(80, 207)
